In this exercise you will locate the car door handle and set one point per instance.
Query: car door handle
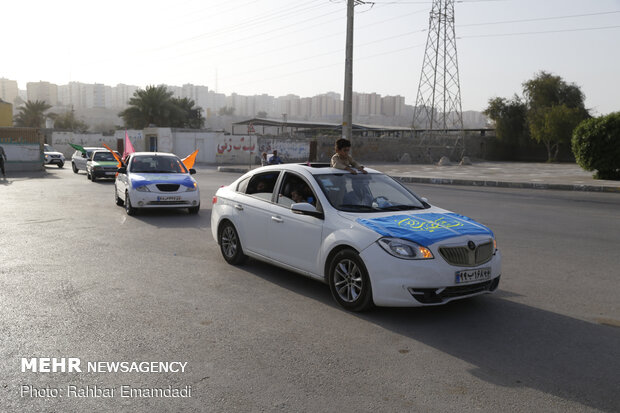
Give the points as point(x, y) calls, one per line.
point(239, 207)
point(277, 219)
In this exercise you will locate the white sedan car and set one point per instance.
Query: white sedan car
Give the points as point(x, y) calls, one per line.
point(156, 180)
point(366, 235)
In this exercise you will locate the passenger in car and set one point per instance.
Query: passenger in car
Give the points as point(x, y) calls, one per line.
point(302, 194)
point(342, 159)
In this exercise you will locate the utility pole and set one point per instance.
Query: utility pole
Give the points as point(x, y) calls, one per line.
point(347, 112)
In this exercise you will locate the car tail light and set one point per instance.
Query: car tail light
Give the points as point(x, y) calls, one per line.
point(214, 200)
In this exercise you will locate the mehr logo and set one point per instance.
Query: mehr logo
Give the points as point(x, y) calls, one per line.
point(51, 365)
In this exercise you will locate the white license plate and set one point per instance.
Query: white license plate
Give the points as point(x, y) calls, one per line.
point(168, 198)
point(479, 274)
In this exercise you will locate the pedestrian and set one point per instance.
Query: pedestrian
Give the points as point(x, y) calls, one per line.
point(275, 159)
point(342, 159)
point(263, 159)
point(2, 159)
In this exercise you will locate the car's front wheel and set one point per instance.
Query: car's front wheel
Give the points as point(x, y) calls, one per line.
point(75, 170)
point(230, 245)
point(128, 208)
point(60, 165)
point(194, 210)
point(93, 177)
point(349, 281)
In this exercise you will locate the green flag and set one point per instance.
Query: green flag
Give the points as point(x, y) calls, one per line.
point(78, 147)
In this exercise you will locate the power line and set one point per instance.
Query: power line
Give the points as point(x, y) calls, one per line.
point(539, 32)
point(539, 19)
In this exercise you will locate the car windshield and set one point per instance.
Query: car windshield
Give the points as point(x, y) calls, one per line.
point(48, 148)
point(157, 164)
point(367, 193)
point(103, 156)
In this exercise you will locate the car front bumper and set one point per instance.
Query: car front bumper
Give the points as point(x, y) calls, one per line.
point(164, 199)
point(413, 283)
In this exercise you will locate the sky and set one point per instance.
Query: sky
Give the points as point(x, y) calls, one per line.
point(280, 47)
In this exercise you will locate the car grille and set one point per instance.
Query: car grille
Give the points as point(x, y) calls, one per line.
point(463, 256)
point(55, 156)
point(439, 295)
point(168, 187)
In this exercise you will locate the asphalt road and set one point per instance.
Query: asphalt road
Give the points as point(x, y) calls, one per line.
point(79, 278)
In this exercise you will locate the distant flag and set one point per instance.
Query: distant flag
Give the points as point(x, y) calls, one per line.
point(190, 160)
point(128, 146)
point(120, 162)
point(77, 147)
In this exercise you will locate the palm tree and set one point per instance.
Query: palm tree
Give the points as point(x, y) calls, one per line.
point(32, 114)
point(187, 116)
point(150, 106)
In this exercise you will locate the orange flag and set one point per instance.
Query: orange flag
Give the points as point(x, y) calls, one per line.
point(190, 160)
point(120, 163)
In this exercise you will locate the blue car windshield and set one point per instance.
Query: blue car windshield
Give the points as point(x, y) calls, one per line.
point(367, 193)
point(157, 164)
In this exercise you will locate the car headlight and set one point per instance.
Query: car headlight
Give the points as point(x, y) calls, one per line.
point(404, 249)
point(192, 188)
point(143, 188)
point(47, 156)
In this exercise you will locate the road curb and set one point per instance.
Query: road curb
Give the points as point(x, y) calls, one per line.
point(232, 169)
point(507, 184)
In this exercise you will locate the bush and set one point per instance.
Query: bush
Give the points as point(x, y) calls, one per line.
point(596, 145)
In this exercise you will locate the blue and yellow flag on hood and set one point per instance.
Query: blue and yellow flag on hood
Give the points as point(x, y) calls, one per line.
point(425, 229)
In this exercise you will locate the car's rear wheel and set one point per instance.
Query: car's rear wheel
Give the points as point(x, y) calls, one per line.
point(75, 170)
point(60, 165)
point(230, 245)
point(117, 199)
point(349, 281)
point(128, 208)
point(194, 210)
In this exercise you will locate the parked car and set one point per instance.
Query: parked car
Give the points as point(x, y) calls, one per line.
point(156, 180)
point(52, 156)
point(102, 164)
point(369, 237)
point(79, 159)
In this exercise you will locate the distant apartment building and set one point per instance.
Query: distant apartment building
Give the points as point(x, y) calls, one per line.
point(326, 105)
point(392, 106)
point(43, 91)
point(365, 104)
point(8, 90)
point(121, 94)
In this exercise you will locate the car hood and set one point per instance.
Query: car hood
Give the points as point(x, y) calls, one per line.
point(53, 153)
point(424, 227)
point(141, 179)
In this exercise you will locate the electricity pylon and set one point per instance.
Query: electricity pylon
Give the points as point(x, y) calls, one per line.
point(438, 103)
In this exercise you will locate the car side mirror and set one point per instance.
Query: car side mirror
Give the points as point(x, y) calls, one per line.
point(192, 171)
point(305, 208)
point(122, 170)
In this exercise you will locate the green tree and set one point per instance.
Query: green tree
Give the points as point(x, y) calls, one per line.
point(150, 106)
point(596, 145)
point(554, 109)
point(32, 114)
point(188, 115)
point(509, 117)
point(68, 121)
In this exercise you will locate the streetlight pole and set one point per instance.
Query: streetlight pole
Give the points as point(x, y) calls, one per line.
point(347, 113)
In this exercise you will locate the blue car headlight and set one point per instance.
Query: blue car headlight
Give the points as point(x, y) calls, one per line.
point(143, 188)
point(408, 250)
point(192, 188)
